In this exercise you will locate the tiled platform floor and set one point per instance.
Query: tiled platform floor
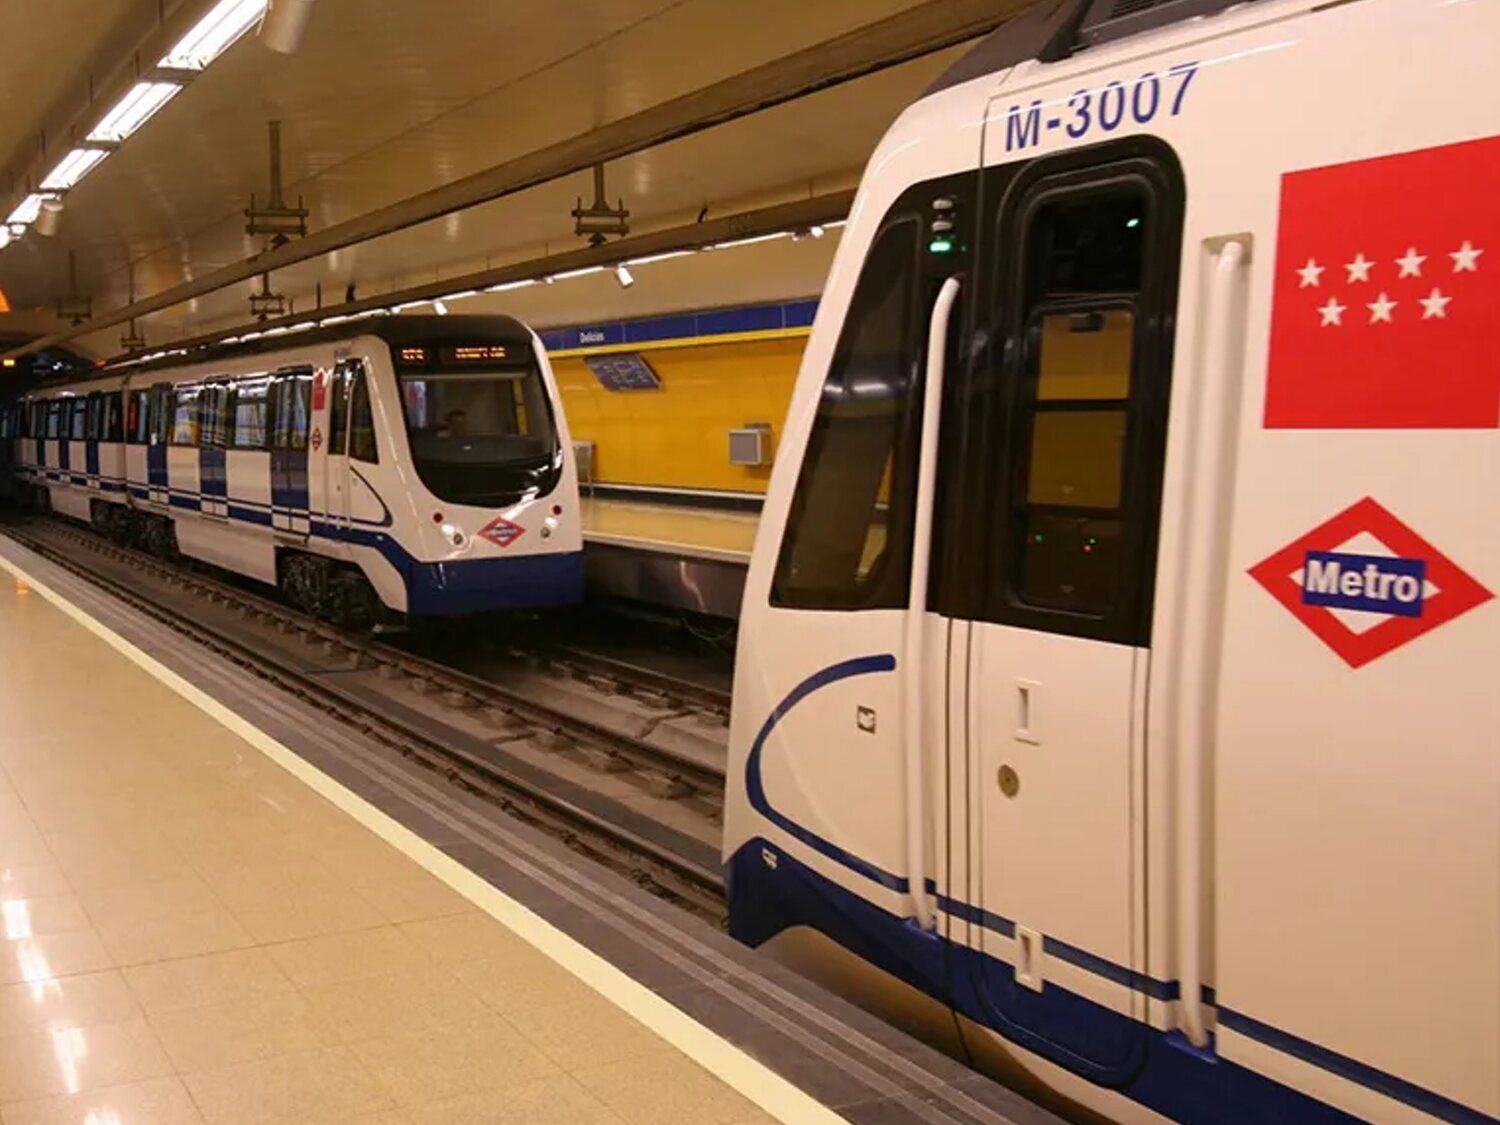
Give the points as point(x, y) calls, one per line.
point(192, 934)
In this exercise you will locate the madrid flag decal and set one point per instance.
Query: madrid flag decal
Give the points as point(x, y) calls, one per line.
point(1386, 300)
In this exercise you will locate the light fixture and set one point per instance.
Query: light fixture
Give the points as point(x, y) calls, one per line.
point(505, 286)
point(27, 210)
point(285, 24)
point(460, 296)
point(134, 110)
point(72, 168)
point(659, 257)
point(4, 236)
point(48, 216)
point(749, 241)
point(576, 273)
point(225, 22)
point(815, 230)
point(442, 309)
point(623, 276)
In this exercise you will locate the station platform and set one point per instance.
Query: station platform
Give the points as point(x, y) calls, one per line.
point(679, 556)
point(220, 907)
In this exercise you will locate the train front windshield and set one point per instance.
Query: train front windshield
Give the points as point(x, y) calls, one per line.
point(482, 435)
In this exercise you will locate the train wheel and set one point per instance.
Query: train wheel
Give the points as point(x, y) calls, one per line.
point(354, 604)
point(305, 582)
point(161, 538)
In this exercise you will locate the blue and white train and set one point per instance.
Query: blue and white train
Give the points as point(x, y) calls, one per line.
point(1116, 685)
point(402, 465)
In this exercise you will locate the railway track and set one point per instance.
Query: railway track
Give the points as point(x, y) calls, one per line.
point(625, 765)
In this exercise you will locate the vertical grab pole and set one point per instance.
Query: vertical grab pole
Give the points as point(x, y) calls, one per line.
point(916, 611)
point(1196, 657)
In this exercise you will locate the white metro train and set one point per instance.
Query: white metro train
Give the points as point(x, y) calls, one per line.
point(419, 465)
point(1116, 685)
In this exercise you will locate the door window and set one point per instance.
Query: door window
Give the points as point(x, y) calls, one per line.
point(214, 416)
point(1085, 290)
point(362, 445)
point(78, 417)
point(338, 411)
point(293, 397)
point(847, 543)
point(112, 427)
point(249, 403)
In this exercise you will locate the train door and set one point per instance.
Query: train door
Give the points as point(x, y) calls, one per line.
point(213, 449)
point(336, 460)
point(1076, 306)
point(93, 424)
point(159, 429)
point(291, 409)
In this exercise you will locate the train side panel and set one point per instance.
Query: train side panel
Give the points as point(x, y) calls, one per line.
point(1309, 636)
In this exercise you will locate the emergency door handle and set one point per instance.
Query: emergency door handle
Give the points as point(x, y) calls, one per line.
point(1028, 704)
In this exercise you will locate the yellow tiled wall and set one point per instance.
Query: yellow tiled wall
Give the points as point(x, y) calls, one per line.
point(678, 436)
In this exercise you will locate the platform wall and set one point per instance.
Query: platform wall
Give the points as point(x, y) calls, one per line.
point(677, 436)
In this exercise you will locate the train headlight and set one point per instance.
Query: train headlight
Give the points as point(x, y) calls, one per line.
point(453, 533)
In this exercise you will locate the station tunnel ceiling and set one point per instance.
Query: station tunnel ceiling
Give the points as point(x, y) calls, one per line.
point(386, 99)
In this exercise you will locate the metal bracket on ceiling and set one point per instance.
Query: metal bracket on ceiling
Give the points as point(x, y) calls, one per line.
point(276, 220)
point(599, 219)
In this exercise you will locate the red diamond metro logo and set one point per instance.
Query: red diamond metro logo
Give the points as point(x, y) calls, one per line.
point(502, 532)
point(1366, 584)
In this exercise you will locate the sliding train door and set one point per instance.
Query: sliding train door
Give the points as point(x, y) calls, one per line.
point(1068, 411)
point(291, 413)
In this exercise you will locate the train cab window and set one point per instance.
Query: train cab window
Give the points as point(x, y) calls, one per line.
point(362, 445)
point(39, 418)
point(854, 494)
point(92, 415)
point(1086, 299)
point(249, 429)
point(185, 421)
point(55, 419)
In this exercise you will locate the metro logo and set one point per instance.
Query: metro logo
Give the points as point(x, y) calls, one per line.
point(502, 532)
point(1365, 584)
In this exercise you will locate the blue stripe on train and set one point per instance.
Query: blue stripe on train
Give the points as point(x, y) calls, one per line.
point(770, 891)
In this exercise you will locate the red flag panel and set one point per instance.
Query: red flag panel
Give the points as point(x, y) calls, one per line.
point(1386, 300)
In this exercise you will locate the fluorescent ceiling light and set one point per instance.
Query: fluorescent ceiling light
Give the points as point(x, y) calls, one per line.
point(225, 22)
point(503, 286)
point(442, 309)
point(27, 210)
point(748, 241)
point(659, 257)
point(577, 273)
point(134, 110)
point(460, 296)
point(73, 168)
point(624, 276)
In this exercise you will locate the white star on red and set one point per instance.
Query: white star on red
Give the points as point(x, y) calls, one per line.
point(1411, 263)
point(1380, 309)
point(1465, 258)
point(1333, 312)
point(1435, 305)
point(1359, 269)
point(1310, 274)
